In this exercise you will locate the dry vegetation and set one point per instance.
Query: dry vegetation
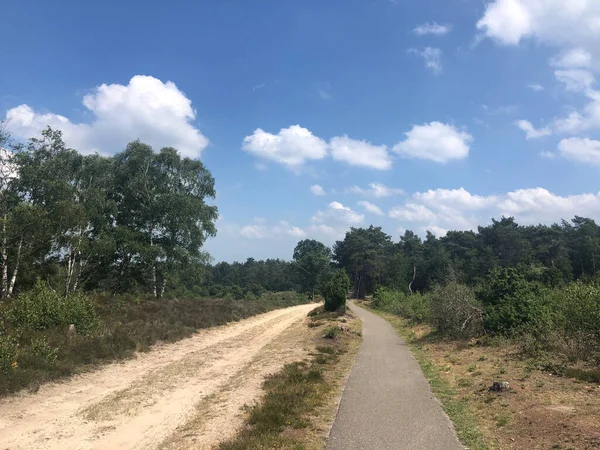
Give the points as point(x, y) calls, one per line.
point(541, 410)
point(300, 401)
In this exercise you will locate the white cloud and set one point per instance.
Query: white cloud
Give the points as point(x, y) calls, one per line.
point(576, 80)
point(292, 146)
point(573, 58)
point(536, 87)
point(454, 198)
point(565, 23)
point(371, 208)
point(584, 120)
point(538, 205)
point(530, 131)
point(377, 190)
point(412, 213)
point(435, 141)
point(431, 56)
point(338, 214)
point(317, 190)
point(432, 28)
point(157, 113)
point(261, 230)
point(458, 209)
point(580, 150)
point(439, 232)
point(360, 153)
point(548, 155)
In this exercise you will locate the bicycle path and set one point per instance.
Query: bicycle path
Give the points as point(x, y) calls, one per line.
point(387, 402)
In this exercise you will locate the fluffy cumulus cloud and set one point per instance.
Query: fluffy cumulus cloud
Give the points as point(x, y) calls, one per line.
point(435, 141)
point(457, 209)
point(371, 208)
point(338, 214)
point(569, 23)
point(360, 153)
point(433, 28)
point(432, 57)
point(582, 150)
point(530, 131)
point(317, 190)
point(148, 109)
point(573, 29)
point(292, 146)
point(378, 190)
point(262, 230)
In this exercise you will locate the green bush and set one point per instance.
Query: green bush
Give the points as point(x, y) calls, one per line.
point(455, 312)
point(336, 291)
point(414, 307)
point(8, 352)
point(43, 308)
point(512, 302)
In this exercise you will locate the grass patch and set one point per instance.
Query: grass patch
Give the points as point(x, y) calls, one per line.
point(29, 357)
point(332, 332)
point(289, 396)
point(591, 375)
point(300, 401)
point(465, 422)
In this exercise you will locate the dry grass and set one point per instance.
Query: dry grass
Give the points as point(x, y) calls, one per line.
point(300, 402)
point(541, 410)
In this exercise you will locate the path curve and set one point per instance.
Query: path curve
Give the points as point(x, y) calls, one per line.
point(387, 403)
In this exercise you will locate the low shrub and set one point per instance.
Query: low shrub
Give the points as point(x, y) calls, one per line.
point(415, 307)
point(43, 308)
point(336, 291)
point(8, 353)
point(332, 332)
point(455, 312)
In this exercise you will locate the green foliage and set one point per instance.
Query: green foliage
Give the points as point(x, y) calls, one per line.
point(43, 308)
point(455, 312)
point(312, 260)
point(414, 307)
point(8, 353)
point(512, 302)
point(333, 332)
point(41, 349)
point(336, 291)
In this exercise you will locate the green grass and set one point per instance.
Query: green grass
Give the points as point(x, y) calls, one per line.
point(465, 421)
point(290, 396)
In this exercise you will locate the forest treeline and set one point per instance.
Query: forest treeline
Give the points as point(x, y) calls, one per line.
point(538, 284)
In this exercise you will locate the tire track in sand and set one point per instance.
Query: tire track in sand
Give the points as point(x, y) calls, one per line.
point(140, 403)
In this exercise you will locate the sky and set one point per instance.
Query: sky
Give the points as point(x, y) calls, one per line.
point(316, 116)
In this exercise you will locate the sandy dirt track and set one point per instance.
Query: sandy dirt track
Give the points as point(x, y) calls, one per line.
point(183, 395)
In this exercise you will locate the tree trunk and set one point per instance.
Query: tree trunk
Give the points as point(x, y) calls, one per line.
point(16, 269)
point(413, 279)
point(4, 259)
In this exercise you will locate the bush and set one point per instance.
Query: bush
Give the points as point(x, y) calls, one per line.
point(336, 291)
point(8, 352)
point(513, 303)
point(455, 311)
point(414, 307)
point(43, 308)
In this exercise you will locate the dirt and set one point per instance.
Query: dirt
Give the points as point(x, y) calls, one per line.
point(188, 394)
point(541, 410)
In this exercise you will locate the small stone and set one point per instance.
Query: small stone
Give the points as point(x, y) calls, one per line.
point(500, 386)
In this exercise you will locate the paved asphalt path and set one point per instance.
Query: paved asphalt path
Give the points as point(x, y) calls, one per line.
point(387, 403)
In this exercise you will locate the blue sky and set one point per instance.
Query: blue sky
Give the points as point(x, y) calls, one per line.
point(315, 115)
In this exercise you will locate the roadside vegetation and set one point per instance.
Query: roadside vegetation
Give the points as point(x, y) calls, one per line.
point(300, 401)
